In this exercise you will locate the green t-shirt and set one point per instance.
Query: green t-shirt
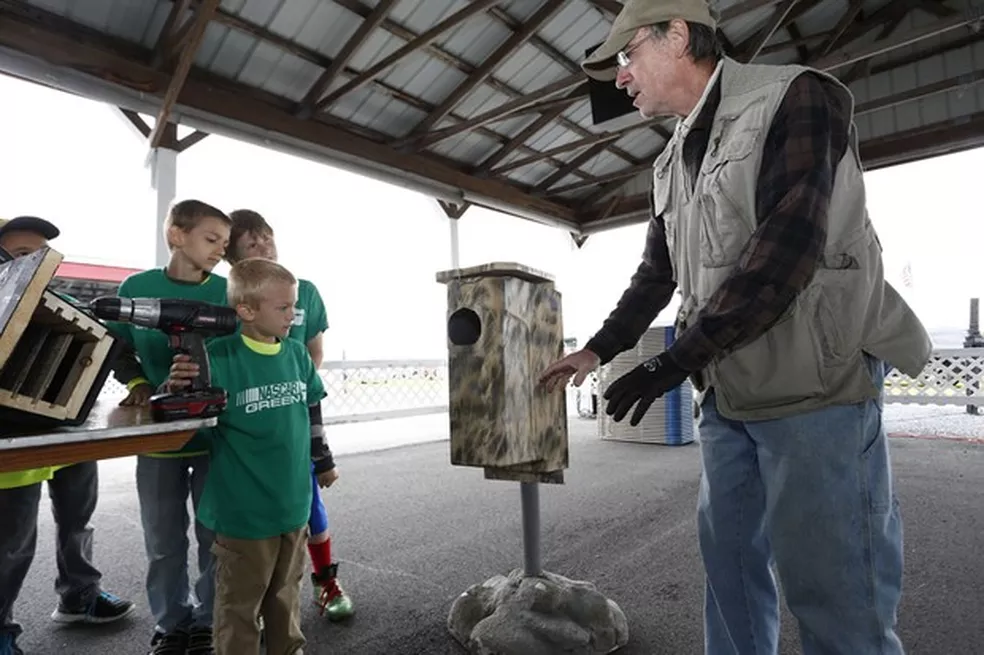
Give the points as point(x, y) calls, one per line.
point(310, 317)
point(151, 345)
point(259, 479)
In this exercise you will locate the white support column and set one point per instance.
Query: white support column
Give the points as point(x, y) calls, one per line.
point(453, 222)
point(164, 180)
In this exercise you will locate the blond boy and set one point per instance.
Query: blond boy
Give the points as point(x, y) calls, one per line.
point(257, 497)
point(252, 236)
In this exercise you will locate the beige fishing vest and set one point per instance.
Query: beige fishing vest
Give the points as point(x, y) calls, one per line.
point(814, 355)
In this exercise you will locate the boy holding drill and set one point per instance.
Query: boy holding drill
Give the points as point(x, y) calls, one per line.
point(252, 236)
point(197, 235)
point(257, 498)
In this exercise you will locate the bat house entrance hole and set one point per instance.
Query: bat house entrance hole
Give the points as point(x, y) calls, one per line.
point(464, 327)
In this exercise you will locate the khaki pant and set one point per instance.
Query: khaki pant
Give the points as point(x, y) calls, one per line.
point(254, 577)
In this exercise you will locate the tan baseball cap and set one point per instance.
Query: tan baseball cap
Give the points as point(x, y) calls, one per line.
point(600, 64)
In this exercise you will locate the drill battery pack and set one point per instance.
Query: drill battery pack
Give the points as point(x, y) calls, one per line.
point(205, 403)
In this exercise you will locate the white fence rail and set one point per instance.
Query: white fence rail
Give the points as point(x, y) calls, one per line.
point(373, 390)
point(380, 389)
point(954, 376)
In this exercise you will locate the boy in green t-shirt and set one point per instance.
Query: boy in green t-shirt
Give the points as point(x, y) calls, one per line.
point(252, 236)
point(257, 498)
point(197, 235)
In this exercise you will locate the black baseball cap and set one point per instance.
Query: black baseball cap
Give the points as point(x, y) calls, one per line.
point(29, 224)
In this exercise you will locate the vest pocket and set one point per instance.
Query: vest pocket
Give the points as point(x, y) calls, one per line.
point(840, 313)
point(779, 368)
point(723, 231)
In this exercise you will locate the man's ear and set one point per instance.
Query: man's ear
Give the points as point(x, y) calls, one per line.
point(679, 34)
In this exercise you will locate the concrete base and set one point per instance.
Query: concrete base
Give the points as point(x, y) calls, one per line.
point(519, 615)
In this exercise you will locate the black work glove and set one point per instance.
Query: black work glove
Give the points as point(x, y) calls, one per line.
point(645, 383)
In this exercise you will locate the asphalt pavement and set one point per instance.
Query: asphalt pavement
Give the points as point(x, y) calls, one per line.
point(412, 533)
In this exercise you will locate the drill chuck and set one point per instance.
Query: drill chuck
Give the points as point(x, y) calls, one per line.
point(166, 314)
point(127, 310)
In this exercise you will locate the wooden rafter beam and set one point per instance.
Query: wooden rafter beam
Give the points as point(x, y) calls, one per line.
point(196, 32)
point(187, 141)
point(235, 104)
point(936, 8)
point(166, 41)
point(616, 207)
point(602, 179)
point(969, 39)
point(959, 83)
point(739, 9)
point(135, 119)
point(653, 124)
point(780, 17)
point(520, 139)
point(926, 141)
point(849, 56)
point(578, 93)
point(541, 16)
point(609, 7)
point(342, 59)
point(559, 150)
point(837, 34)
point(572, 165)
point(371, 73)
point(801, 51)
point(503, 111)
point(452, 210)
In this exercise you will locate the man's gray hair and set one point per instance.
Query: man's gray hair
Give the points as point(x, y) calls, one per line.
point(704, 44)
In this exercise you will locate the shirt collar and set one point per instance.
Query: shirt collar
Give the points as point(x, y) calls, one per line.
point(687, 123)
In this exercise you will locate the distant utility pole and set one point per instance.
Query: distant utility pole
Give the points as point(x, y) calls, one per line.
point(973, 340)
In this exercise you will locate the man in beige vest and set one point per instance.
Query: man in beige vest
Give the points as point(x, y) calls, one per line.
point(785, 328)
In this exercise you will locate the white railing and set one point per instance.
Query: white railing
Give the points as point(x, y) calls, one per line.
point(954, 376)
point(373, 390)
point(381, 389)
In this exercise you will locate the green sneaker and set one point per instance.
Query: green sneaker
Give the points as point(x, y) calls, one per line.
point(329, 596)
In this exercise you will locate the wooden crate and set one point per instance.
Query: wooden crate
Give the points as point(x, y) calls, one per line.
point(54, 358)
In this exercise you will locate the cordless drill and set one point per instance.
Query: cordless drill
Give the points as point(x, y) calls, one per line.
point(186, 323)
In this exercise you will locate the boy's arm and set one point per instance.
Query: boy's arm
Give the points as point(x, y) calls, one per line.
point(320, 452)
point(126, 368)
point(317, 324)
point(316, 349)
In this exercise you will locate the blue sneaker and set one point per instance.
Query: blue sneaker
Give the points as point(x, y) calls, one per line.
point(105, 608)
point(7, 645)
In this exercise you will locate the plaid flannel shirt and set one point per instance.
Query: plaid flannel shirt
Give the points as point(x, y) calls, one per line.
point(808, 138)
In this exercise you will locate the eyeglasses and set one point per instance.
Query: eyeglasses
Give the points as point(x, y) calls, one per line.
point(622, 56)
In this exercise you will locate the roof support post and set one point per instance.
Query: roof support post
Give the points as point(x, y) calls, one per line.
point(454, 214)
point(164, 181)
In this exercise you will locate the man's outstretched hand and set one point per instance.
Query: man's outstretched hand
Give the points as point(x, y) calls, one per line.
point(578, 364)
point(643, 384)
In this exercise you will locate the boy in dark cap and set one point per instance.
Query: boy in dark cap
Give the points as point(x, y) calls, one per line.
point(73, 491)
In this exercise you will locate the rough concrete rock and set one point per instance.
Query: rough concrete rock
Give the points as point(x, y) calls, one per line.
point(519, 615)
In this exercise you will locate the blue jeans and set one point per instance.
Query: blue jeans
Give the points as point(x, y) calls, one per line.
point(163, 486)
point(813, 495)
point(74, 491)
